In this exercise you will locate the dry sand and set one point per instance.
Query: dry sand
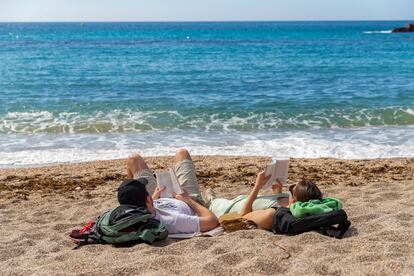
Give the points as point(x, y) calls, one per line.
point(39, 207)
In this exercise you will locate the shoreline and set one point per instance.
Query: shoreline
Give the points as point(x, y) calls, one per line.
point(343, 143)
point(212, 171)
point(48, 165)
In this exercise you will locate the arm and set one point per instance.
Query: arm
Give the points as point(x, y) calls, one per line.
point(157, 192)
point(262, 218)
point(277, 187)
point(260, 182)
point(207, 219)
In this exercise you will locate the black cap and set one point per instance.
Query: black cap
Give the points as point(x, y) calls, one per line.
point(133, 192)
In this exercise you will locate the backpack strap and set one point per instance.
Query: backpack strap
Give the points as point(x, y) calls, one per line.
point(110, 230)
point(147, 236)
point(232, 204)
point(126, 222)
point(94, 237)
point(340, 229)
point(152, 231)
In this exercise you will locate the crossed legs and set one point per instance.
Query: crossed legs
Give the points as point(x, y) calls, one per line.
point(184, 169)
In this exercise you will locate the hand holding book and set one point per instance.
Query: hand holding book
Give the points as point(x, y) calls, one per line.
point(183, 196)
point(278, 171)
point(157, 192)
point(261, 180)
point(277, 187)
point(168, 180)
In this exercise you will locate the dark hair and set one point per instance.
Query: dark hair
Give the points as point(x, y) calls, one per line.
point(133, 192)
point(306, 190)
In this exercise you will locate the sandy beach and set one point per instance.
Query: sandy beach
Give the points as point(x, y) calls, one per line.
point(39, 207)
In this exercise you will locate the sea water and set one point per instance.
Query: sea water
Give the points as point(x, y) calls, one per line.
point(73, 92)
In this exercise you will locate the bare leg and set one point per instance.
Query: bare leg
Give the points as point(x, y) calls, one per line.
point(135, 163)
point(181, 155)
point(136, 168)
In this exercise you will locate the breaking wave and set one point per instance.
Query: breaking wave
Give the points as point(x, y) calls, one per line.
point(358, 143)
point(121, 121)
point(379, 32)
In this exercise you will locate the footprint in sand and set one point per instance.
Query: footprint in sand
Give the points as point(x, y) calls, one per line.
point(266, 265)
point(405, 217)
point(232, 258)
point(368, 257)
point(62, 257)
point(26, 242)
point(202, 244)
point(365, 218)
point(9, 253)
point(321, 269)
point(219, 251)
point(61, 227)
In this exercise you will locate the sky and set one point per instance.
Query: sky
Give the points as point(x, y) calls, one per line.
point(207, 10)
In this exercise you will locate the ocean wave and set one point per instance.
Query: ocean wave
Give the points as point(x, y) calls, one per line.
point(120, 121)
point(358, 143)
point(379, 32)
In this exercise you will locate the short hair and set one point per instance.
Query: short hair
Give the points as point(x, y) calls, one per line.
point(306, 190)
point(133, 192)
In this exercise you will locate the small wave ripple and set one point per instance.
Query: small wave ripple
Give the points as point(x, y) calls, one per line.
point(121, 121)
point(379, 32)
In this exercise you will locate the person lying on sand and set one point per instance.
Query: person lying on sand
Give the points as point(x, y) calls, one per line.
point(221, 206)
point(145, 218)
point(305, 199)
point(182, 214)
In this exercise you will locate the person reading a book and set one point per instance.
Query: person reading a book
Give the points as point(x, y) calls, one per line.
point(276, 175)
point(182, 213)
point(305, 198)
point(221, 206)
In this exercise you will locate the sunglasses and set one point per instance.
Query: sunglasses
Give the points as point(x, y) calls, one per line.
point(291, 188)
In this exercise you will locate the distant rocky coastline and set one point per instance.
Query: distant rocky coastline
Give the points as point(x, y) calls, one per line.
point(409, 28)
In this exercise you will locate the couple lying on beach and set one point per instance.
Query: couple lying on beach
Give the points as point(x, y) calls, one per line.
point(190, 212)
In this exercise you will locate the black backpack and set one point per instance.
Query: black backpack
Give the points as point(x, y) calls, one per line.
point(285, 223)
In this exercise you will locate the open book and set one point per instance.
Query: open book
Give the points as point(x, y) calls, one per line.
point(278, 169)
point(169, 180)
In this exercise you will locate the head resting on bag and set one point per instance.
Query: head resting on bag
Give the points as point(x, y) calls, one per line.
point(133, 192)
point(306, 190)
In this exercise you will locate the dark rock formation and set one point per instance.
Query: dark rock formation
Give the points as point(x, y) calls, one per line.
point(407, 29)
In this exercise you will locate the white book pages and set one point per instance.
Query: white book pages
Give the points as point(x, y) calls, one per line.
point(175, 184)
point(278, 169)
point(169, 180)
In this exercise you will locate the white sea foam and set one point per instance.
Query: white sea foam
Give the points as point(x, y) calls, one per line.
point(371, 142)
point(378, 32)
point(116, 121)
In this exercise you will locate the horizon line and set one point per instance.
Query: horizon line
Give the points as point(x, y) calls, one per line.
point(213, 21)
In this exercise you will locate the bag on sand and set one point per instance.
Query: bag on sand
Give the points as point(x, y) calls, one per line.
point(285, 223)
point(234, 221)
point(122, 225)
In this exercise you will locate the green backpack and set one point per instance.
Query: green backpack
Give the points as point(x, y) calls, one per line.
point(124, 224)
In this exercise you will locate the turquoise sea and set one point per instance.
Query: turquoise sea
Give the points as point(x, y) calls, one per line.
point(74, 92)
